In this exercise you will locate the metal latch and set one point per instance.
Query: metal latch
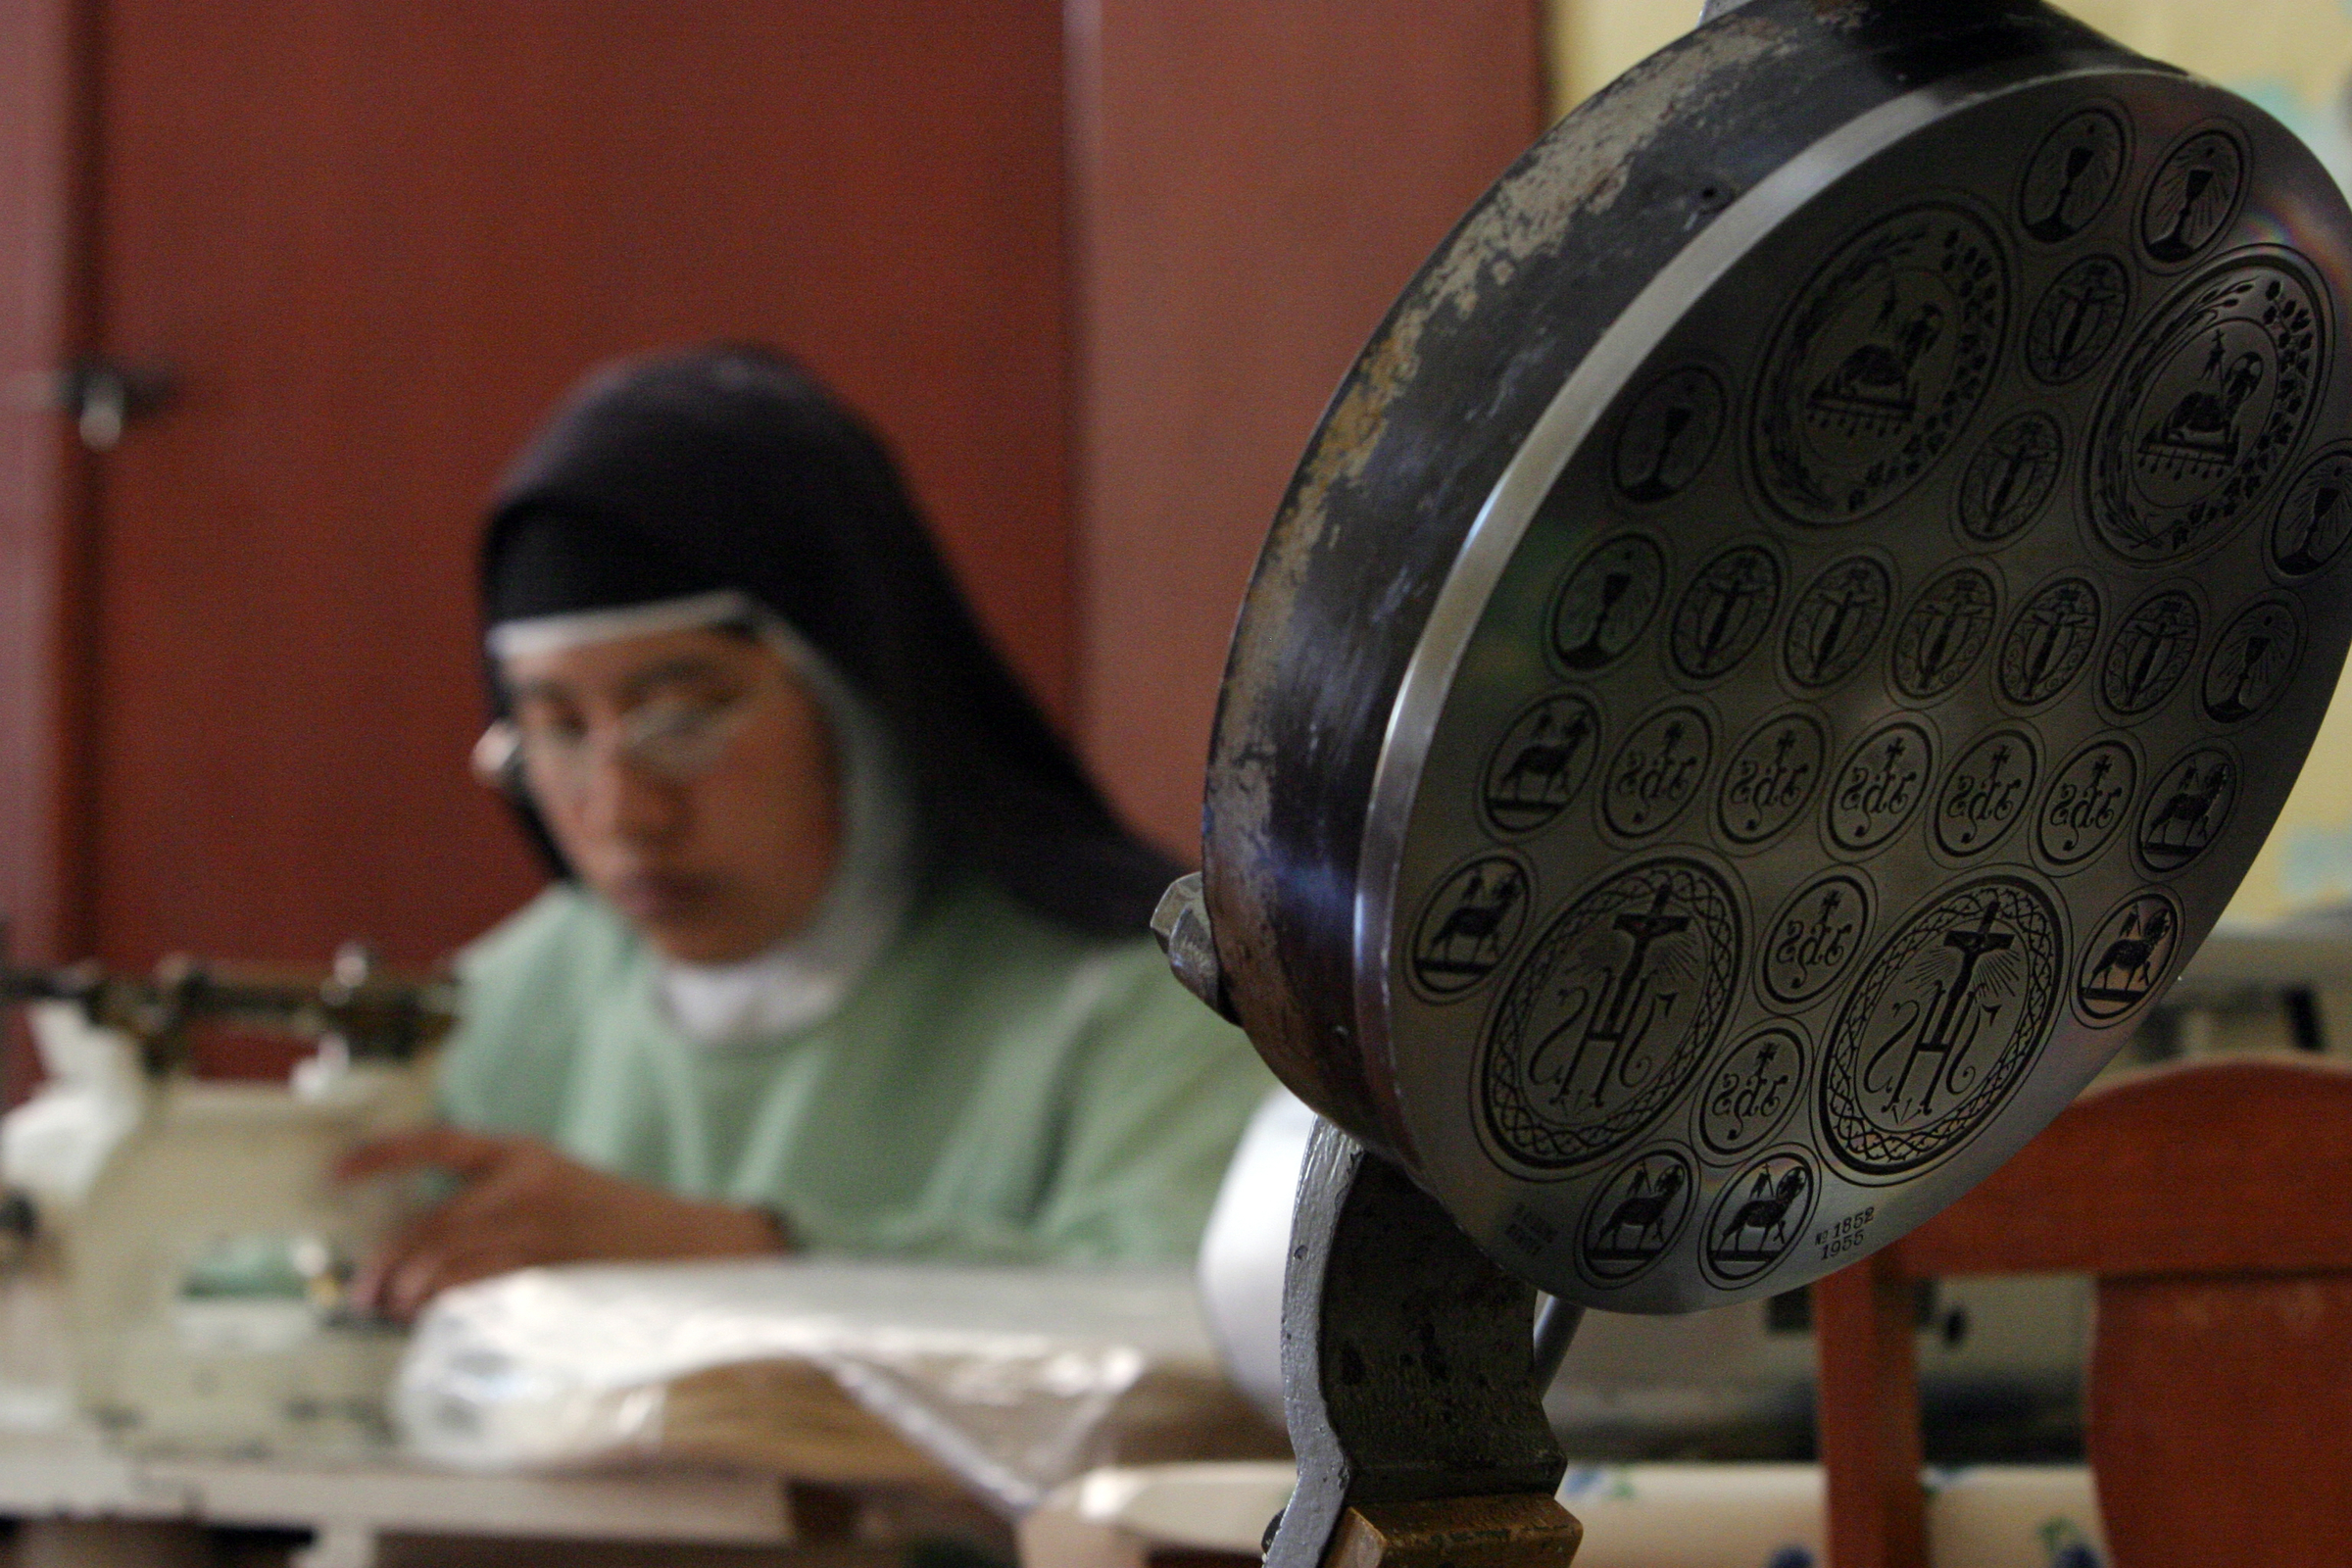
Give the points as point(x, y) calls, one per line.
point(105, 395)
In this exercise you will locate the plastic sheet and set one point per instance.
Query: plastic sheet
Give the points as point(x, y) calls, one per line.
point(1011, 1380)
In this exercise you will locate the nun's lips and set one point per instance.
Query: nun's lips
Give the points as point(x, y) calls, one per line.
point(663, 898)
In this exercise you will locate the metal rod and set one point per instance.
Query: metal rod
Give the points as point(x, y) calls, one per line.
point(1556, 1330)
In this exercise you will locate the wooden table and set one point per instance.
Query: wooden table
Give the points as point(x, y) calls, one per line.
point(81, 1505)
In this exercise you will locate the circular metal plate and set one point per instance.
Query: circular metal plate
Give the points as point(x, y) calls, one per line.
point(1863, 685)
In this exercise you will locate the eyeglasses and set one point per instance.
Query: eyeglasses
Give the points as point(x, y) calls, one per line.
point(674, 740)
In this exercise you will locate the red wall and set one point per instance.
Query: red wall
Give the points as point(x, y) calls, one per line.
point(375, 240)
point(1258, 183)
point(237, 677)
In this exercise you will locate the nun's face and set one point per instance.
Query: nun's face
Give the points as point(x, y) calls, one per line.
point(689, 778)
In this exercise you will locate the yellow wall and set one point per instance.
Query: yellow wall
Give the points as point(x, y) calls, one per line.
point(2294, 58)
point(2304, 46)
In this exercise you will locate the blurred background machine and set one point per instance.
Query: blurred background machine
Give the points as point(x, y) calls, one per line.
point(177, 1250)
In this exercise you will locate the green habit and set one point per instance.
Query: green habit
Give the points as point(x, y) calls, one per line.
point(997, 1088)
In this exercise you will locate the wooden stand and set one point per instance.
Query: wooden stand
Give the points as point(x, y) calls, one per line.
point(1409, 1380)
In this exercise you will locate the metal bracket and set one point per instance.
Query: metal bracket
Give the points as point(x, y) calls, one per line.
point(1409, 1373)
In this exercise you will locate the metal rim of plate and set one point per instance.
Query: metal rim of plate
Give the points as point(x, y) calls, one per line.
point(1842, 714)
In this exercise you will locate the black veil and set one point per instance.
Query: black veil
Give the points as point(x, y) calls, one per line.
point(729, 467)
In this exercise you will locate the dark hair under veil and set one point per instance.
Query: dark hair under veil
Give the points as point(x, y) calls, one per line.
point(729, 467)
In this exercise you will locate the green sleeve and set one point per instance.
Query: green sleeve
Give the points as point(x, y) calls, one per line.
point(1158, 1100)
point(526, 987)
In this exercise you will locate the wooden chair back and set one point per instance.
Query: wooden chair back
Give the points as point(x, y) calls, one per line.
point(2212, 1203)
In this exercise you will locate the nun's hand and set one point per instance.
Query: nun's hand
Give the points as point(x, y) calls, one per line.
point(523, 1204)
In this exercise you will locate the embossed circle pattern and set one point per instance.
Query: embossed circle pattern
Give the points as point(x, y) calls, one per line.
point(1879, 363)
point(1542, 763)
point(2212, 402)
point(1940, 1027)
point(1610, 1014)
point(1726, 610)
point(1944, 633)
point(1890, 669)
point(2011, 477)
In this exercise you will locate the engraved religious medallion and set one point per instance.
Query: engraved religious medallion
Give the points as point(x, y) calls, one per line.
point(1638, 1215)
point(2077, 320)
point(1668, 434)
point(1880, 785)
point(2152, 650)
point(1542, 763)
point(2049, 642)
point(2011, 477)
point(2253, 660)
point(2193, 196)
point(1879, 363)
point(1756, 691)
point(2086, 803)
point(1986, 794)
point(1750, 1092)
point(1656, 772)
point(2312, 523)
point(1610, 1016)
point(1604, 604)
point(1726, 610)
point(2129, 953)
point(1814, 938)
point(1944, 633)
point(1469, 924)
point(1771, 779)
point(2213, 401)
point(2188, 808)
point(2071, 175)
point(1835, 621)
point(1940, 1027)
point(1760, 1214)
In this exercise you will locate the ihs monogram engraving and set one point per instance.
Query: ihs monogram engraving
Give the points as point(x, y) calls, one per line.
point(2071, 175)
point(2086, 803)
point(1638, 1217)
point(1834, 624)
point(2316, 516)
point(1760, 1214)
point(2152, 650)
point(1542, 763)
point(1750, 1092)
point(2212, 400)
point(2049, 642)
point(2009, 480)
point(1940, 1027)
point(2253, 660)
point(1814, 938)
point(1656, 771)
point(1468, 926)
point(1604, 604)
point(1986, 792)
point(1879, 785)
point(2188, 808)
point(1669, 433)
point(2077, 321)
point(1944, 633)
point(2127, 958)
point(1609, 1015)
point(1771, 778)
point(2192, 196)
point(1879, 363)
point(1725, 611)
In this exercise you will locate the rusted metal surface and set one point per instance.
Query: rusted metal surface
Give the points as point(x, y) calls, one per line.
point(1421, 428)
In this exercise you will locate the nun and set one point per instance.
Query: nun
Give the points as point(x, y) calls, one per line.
point(841, 951)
